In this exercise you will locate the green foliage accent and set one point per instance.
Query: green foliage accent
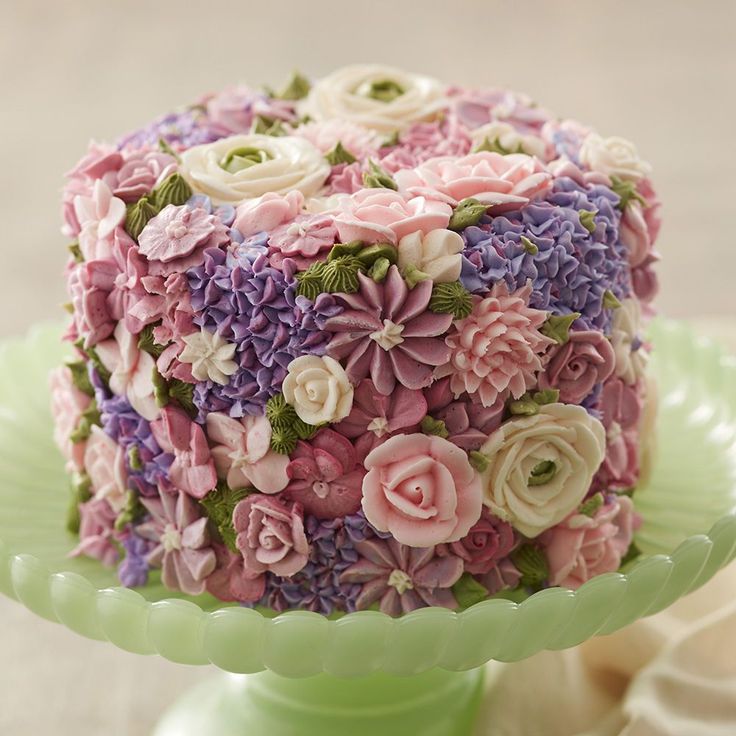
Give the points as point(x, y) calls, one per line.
point(385, 90)
point(377, 178)
point(528, 405)
point(495, 146)
point(391, 140)
point(80, 376)
point(451, 298)
point(134, 458)
point(627, 192)
point(610, 301)
point(379, 269)
point(591, 505)
point(310, 281)
point(543, 472)
point(412, 275)
point(131, 512)
point(268, 126)
point(183, 394)
point(76, 252)
point(148, 344)
point(369, 254)
point(467, 213)
point(278, 412)
point(172, 190)
point(166, 148)
point(631, 554)
point(468, 591)
point(529, 247)
point(286, 426)
point(283, 440)
point(219, 505)
point(243, 157)
point(548, 396)
point(297, 88)
point(587, 219)
point(478, 460)
point(138, 215)
point(90, 417)
point(341, 275)
point(345, 249)
point(160, 388)
point(531, 563)
point(339, 155)
point(81, 492)
point(557, 327)
point(435, 427)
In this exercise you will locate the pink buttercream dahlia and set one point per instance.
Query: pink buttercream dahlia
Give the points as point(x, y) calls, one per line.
point(387, 332)
point(497, 349)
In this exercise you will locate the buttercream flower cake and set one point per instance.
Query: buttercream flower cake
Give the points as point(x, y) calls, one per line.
point(367, 342)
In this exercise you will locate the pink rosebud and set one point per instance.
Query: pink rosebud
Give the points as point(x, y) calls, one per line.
point(267, 212)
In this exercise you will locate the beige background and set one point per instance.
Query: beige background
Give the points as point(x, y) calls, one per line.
point(659, 72)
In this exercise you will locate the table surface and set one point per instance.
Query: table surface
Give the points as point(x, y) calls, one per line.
point(659, 73)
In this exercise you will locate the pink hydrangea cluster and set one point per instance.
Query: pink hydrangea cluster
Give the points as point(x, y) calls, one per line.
point(368, 342)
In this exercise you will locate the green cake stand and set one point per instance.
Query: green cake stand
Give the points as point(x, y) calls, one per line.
point(300, 674)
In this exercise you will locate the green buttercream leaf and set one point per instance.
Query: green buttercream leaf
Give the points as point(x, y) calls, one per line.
point(345, 249)
point(134, 458)
point(340, 275)
point(542, 473)
point(547, 396)
point(219, 505)
point(531, 563)
point(391, 140)
point(160, 388)
point(451, 298)
point(339, 155)
point(587, 219)
point(81, 492)
point(68, 307)
point(557, 327)
point(131, 512)
point(385, 90)
point(379, 269)
point(303, 430)
point(283, 439)
point(610, 301)
point(90, 417)
point(268, 126)
point(93, 358)
point(627, 192)
point(412, 275)
point(164, 146)
point(183, 394)
point(76, 252)
point(148, 344)
point(478, 460)
point(310, 281)
point(529, 247)
point(631, 554)
point(297, 88)
point(172, 190)
point(80, 376)
point(436, 427)
point(138, 215)
point(591, 505)
point(467, 213)
point(524, 407)
point(371, 253)
point(278, 412)
point(377, 178)
point(495, 146)
point(468, 591)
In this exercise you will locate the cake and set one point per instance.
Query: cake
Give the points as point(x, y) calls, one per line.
point(367, 342)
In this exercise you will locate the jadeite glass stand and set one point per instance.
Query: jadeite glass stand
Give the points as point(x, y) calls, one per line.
point(366, 673)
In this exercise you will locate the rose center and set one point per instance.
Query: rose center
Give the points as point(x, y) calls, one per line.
point(401, 581)
point(244, 157)
point(171, 538)
point(383, 90)
point(542, 473)
point(389, 336)
point(379, 426)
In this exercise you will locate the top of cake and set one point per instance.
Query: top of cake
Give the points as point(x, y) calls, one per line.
point(371, 341)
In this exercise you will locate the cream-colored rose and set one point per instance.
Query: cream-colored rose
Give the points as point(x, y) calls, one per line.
point(243, 167)
point(318, 389)
point(613, 156)
point(540, 467)
point(437, 254)
point(378, 97)
point(508, 139)
point(631, 356)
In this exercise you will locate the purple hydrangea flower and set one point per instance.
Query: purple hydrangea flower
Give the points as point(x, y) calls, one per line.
point(184, 129)
point(133, 570)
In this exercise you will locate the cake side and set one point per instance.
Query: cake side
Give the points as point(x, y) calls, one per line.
point(368, 342)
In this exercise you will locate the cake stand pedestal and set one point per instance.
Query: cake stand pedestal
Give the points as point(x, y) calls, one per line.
point(300, 674)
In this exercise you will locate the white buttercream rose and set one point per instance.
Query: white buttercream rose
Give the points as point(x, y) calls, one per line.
point(378, 97)
point(613, 156)
point(318, 389)
point(631, 356)
point(247, 166)
point(509, 139)
point(436, 254)
point(540, 467)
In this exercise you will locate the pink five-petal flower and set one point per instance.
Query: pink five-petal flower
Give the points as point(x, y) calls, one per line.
point(402, 578)
point(375, 417)
point(193, 470)
point(98, 215)
point(422, 489)
point(183, 552)
point(387, 331)
point(271, 535)
point(325, 477)
point(175, 232)
point(302, 240)
point(243, 455)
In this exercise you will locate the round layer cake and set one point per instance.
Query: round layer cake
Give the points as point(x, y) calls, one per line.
point(369, 342)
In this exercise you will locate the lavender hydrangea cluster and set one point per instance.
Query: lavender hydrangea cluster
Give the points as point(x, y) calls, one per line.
point(368, 342)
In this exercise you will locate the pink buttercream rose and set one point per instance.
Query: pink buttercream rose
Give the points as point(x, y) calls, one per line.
point(382, 215)
point(271, 535)
point(496, 180)
point(326, 134)
point(243, 455)
point(646, 283)
point(104, 462)
point(140, 173)
point(230, 581)
point(68, 404)
point(634, 234)
point(193, 470)
point(421, 489)
point(574, 368)
point(583, 546)
point(90, 285)
point(96, 532)
point(267, 212)
point(652, 208)
point(474, 108)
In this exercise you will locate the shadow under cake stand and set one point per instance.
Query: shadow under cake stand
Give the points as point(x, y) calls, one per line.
point(300, 674)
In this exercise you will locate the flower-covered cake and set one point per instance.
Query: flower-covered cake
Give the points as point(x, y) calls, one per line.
point(371, 341)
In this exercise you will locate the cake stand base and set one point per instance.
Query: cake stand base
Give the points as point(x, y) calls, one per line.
point(435, 703)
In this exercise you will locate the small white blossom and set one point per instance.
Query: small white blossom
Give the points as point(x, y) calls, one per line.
point(210, 355)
